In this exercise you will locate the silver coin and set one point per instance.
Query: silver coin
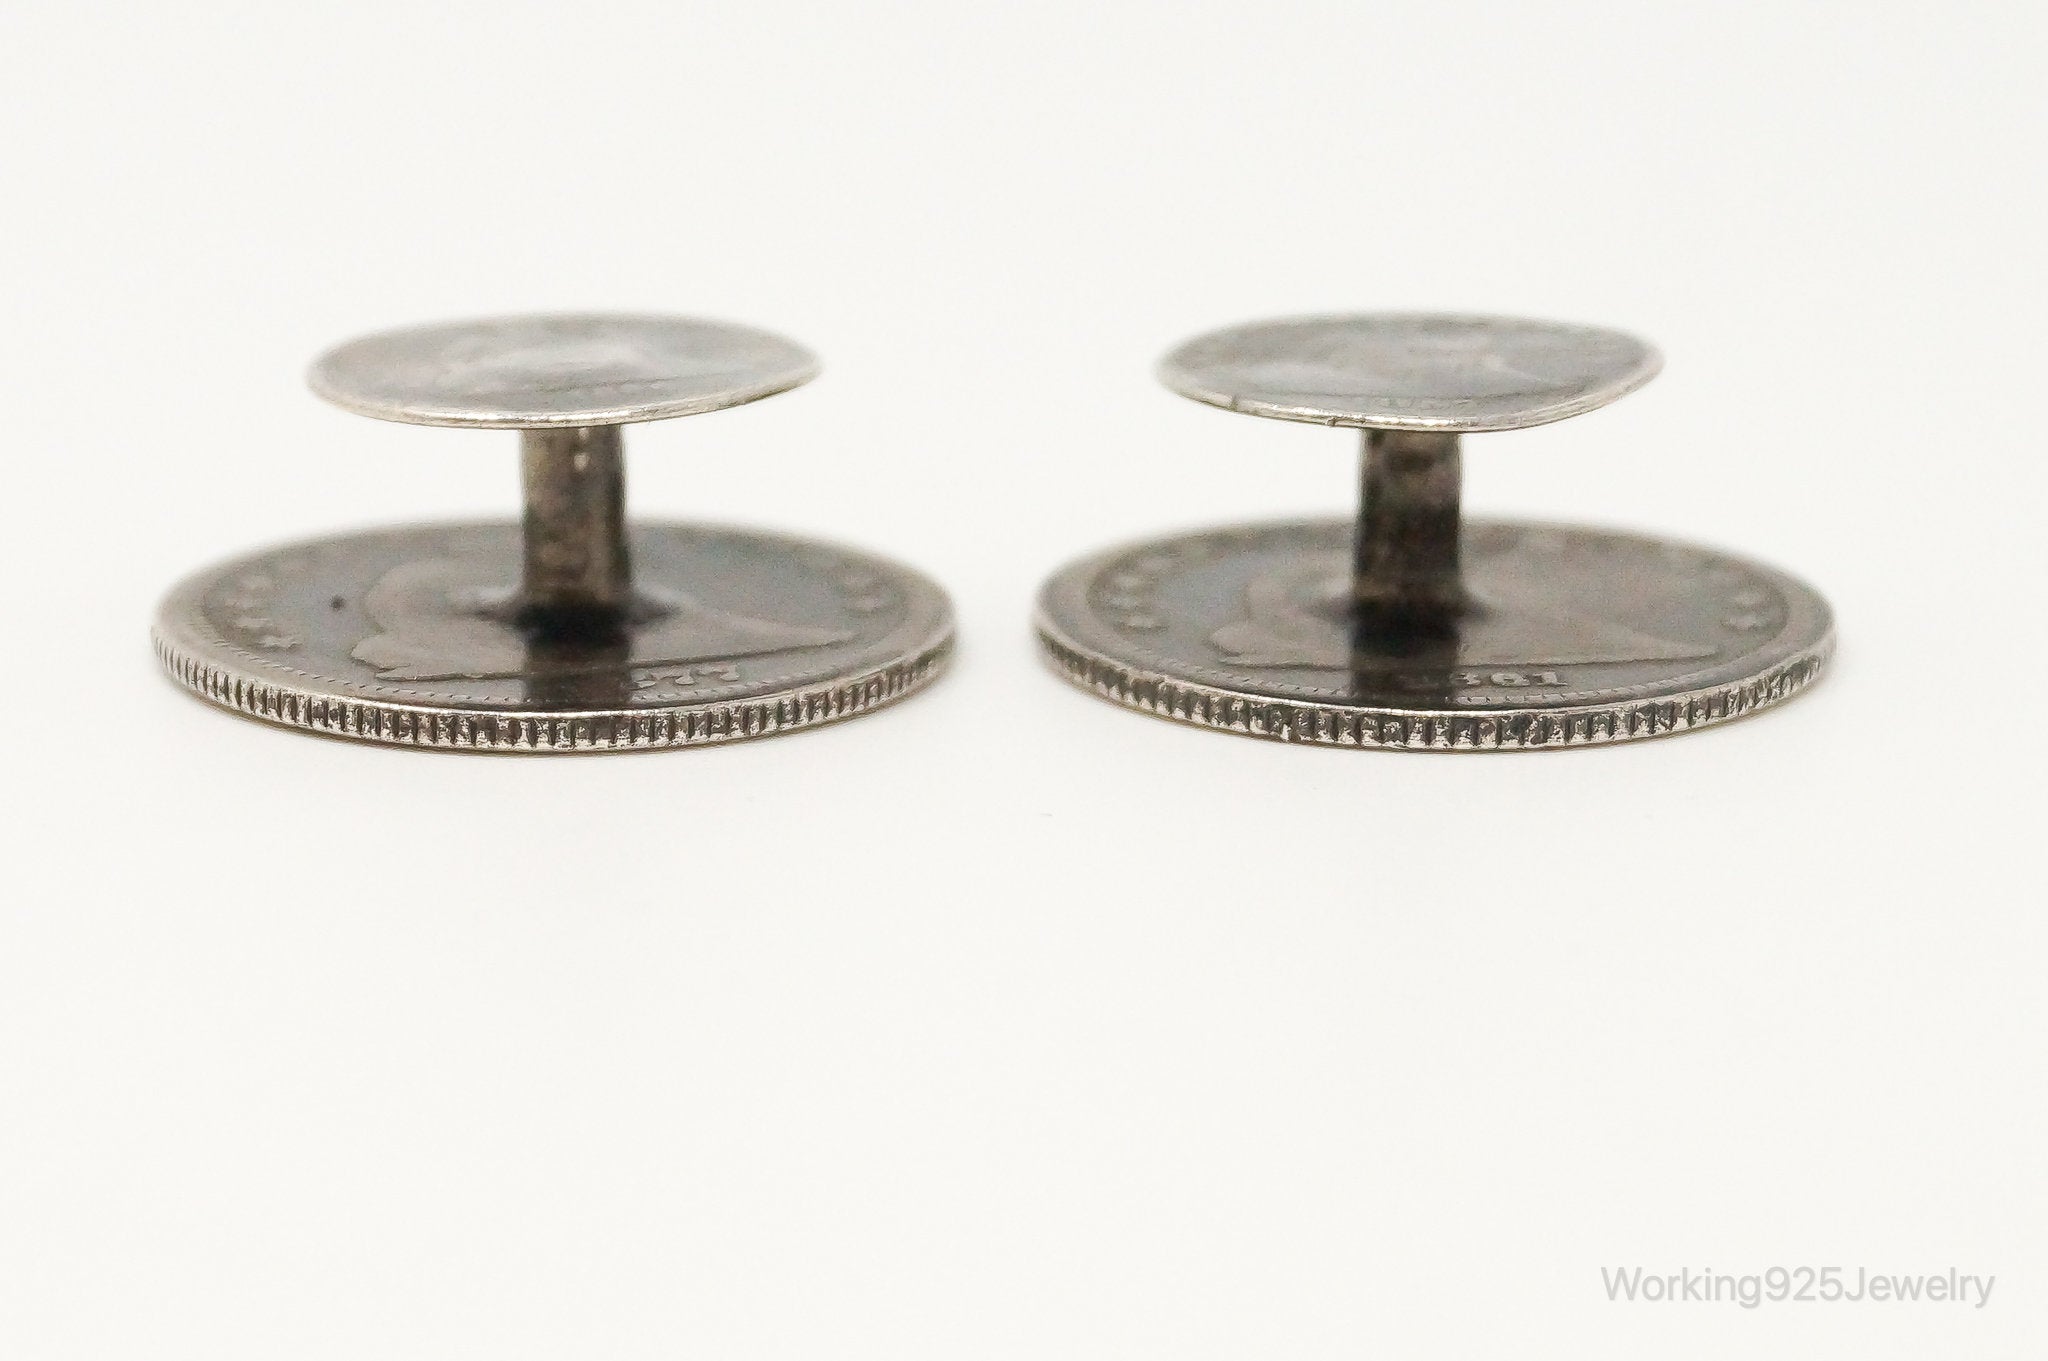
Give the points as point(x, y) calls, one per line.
point(1574, 636)
point(533, 372)
point(412, 636)
point(1411, 371)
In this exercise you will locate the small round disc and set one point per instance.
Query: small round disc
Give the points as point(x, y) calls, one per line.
point(532, 372)
point(1411, 371)
point(1576, 636)
point(410, 636)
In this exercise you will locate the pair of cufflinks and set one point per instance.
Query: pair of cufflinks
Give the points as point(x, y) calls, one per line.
point(1405, 627)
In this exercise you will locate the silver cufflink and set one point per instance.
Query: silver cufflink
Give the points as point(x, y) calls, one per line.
point(573, 629)
point(1408, 626)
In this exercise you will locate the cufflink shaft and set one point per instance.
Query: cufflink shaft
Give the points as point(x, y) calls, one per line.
point(1405, 569)
point(576, 564)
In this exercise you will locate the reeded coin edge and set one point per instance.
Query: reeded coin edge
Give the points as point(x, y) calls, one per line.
point(648, 727)
point(1421, 729)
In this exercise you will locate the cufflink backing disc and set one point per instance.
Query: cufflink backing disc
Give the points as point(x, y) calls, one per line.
point(1408, 627)
point(572, 630)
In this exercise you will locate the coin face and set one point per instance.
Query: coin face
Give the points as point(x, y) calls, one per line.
point(412, 636)
point(1575, 636)
point(1411, 371)
point(531, 372)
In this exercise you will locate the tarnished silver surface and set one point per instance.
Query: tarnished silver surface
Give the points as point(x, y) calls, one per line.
point(1575, 636)
point(530, 372)
point(1407, 627)
point(1411, 371)
point(411, 636)
point(574, 629)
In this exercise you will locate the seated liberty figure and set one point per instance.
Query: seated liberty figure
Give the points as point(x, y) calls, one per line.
point(446, 618)
point(1299, 615)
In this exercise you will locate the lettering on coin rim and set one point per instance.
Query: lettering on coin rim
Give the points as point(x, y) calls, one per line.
point(909, 655)
point(1285, 533)
point(1763, 675)
point(810, 551)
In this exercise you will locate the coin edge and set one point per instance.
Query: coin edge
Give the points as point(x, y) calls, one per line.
point(654, 726)
point(1384, 727)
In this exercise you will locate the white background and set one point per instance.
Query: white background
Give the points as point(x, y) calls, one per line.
point(1007, 1024)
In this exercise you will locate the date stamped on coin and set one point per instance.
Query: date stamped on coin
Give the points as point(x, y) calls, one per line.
point(672, 681)
point(1468, 680)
